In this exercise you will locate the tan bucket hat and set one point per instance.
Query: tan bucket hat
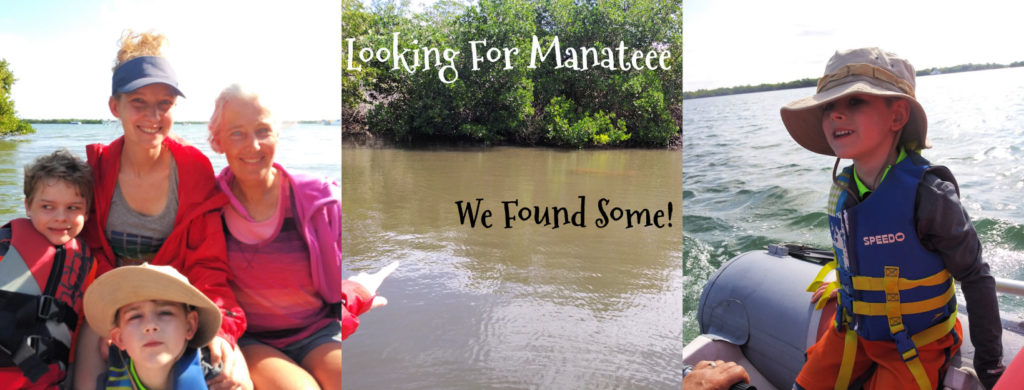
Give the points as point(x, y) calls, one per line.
point(869, 71)
point(133, 283)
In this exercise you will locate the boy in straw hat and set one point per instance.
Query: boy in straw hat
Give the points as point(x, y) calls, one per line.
point(157, 321)
point(899, 234)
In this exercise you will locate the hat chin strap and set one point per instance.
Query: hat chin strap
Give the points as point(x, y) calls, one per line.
point(835, 180)
point(878, 176)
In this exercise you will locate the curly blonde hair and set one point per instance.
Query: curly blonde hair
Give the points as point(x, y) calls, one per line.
point(135, 45)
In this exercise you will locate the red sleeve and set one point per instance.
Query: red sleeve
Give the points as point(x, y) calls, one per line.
point(349, 323)
point(207, 268)
point(104, 173)
point(357, 300)
point(199, 251)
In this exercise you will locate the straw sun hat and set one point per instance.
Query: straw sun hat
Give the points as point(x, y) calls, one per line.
point(869, 71)
point(127, 284)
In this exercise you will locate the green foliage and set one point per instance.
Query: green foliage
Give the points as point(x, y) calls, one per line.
point(68, 121)
point(494, 103)
point(354, 23)
point(641, 100)
point(960, 68)
point(802, 83)
point(567, 127)
point(9, 123)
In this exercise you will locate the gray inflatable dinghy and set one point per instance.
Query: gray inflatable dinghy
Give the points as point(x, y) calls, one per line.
point(755, 311)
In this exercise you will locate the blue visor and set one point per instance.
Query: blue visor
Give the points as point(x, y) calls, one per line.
point(142, 71)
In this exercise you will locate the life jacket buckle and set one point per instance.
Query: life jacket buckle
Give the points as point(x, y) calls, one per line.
point(905, 346)
point(28, 349)
point(845, 301)
point(30, 356)
point(47, 308)
point(33, 342)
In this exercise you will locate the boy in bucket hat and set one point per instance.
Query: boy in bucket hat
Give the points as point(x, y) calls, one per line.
point(899, 233)
point(157, 321)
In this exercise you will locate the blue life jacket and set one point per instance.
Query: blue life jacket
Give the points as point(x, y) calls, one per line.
point(891, 287)
point(187, 371)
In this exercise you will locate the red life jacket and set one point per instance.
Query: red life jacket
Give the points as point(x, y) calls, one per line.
point(41, 288)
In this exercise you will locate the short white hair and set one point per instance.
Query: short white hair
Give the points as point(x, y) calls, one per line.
point(234, 92)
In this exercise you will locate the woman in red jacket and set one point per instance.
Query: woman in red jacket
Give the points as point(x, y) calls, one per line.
point(156, 201)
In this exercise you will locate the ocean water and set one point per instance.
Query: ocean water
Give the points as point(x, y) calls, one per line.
point(747, 184)
point(309, 148)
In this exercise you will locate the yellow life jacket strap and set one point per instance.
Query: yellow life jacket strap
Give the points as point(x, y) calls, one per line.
point(867, 283)
point(819, 279)
point(920, 376)
point(890, 284)
point(936, 332)
point(893, 309)
point(849, 356)
point(924, 337)
point(823, 300)
point(879, 309)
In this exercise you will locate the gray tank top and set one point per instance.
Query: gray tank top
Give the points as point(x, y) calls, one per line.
point(134, 237)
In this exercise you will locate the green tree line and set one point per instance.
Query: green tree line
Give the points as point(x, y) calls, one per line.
point(66, 121)
point(515, 104)
point(9, 122)
point(803, 83)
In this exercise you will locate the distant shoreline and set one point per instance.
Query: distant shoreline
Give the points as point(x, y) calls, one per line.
point(803, 83)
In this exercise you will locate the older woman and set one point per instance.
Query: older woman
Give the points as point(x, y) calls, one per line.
point(284, 251)
point(156, 201)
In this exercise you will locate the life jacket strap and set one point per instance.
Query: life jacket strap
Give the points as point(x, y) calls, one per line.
point(823, 300)
point(893, 312)
point(868, 283)
point(51, 309)
point(906, 345)
point(34, 354)
point(26, 343)
point(820, 277)
point(908, 351)
point(936, 332)
point(844, 309)
point(28, 310)
point(849, 356)
point(879, 309)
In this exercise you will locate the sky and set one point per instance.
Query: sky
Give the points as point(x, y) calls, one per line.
point(747, 42)
point(62, 52)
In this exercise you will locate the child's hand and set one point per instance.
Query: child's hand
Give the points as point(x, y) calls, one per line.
point(234, 373)
point(372, 281)
point(821, 291)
